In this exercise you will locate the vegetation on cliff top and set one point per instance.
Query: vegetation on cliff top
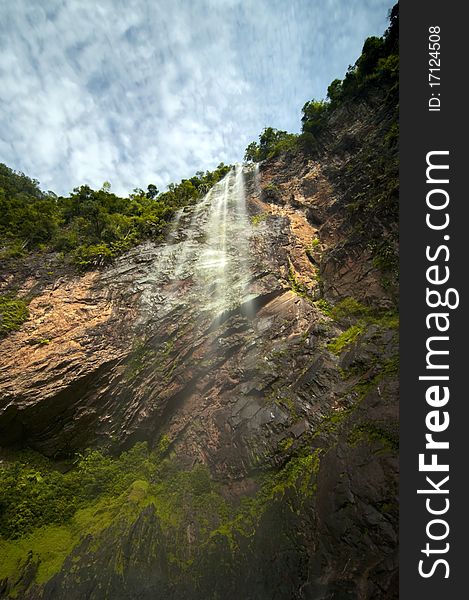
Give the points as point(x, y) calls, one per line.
point(376, 69)
point(90, 226)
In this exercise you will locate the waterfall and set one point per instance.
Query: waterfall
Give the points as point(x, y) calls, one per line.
point(205, 260)
point(257, 180)
point(223, 264)
point(174, 226)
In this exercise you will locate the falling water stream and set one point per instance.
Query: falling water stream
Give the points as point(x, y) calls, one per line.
point(223, 265)
point(206, 256)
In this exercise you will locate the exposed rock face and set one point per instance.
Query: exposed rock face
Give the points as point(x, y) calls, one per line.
point(75, 332)
point(213, 339)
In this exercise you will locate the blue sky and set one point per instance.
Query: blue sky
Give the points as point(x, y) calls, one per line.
point(150, 91)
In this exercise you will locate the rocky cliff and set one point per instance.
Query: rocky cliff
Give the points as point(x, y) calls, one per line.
point(243, 376)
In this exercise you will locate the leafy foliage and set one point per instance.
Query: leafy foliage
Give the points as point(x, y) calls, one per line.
point(376, 68)
point(272, 142)
point(314, 113)
point(33, 493)
point(92, 226)
point(57, 510)
point(28, 216)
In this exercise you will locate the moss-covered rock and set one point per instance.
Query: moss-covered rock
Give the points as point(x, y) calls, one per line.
point(13, 313)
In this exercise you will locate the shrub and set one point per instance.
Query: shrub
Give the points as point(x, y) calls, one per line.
point(33, 493)
point(92, 256)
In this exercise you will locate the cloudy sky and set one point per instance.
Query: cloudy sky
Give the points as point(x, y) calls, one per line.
point(150, 91)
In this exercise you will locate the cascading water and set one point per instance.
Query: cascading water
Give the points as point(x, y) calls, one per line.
point(206, 257)
point(256, 180)
point(173, 229)
point(223, 263)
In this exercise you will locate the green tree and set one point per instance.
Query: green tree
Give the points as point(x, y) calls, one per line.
point(334, 93)
point(152, 191)
point(272, 142)
point(314, 113)
point(252, 152)
point(90, 226)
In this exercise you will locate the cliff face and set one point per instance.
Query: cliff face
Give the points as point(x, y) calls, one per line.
point(255, 351)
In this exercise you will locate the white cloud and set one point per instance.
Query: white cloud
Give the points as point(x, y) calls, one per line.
point(141, 91)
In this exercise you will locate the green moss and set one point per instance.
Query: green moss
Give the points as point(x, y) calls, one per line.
point(298, 477)
point(285, 444)
point(349, 307)
point(312, 250)
point(51, 546)
point(47, 546)
point(332, 422)
point(298, 473)
point(138, 491)
point(346, 338)
point(139, 358)
point(40, 342)
point(164, 443)
point(388, 320)
point(272, 188)
point(288, 403)
point(13, 313)
point(371, 432)
point(181, 497)
point(115, 490)
point(93, 519)
point(390, 367)
point(324, 306)
point(257, 219)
